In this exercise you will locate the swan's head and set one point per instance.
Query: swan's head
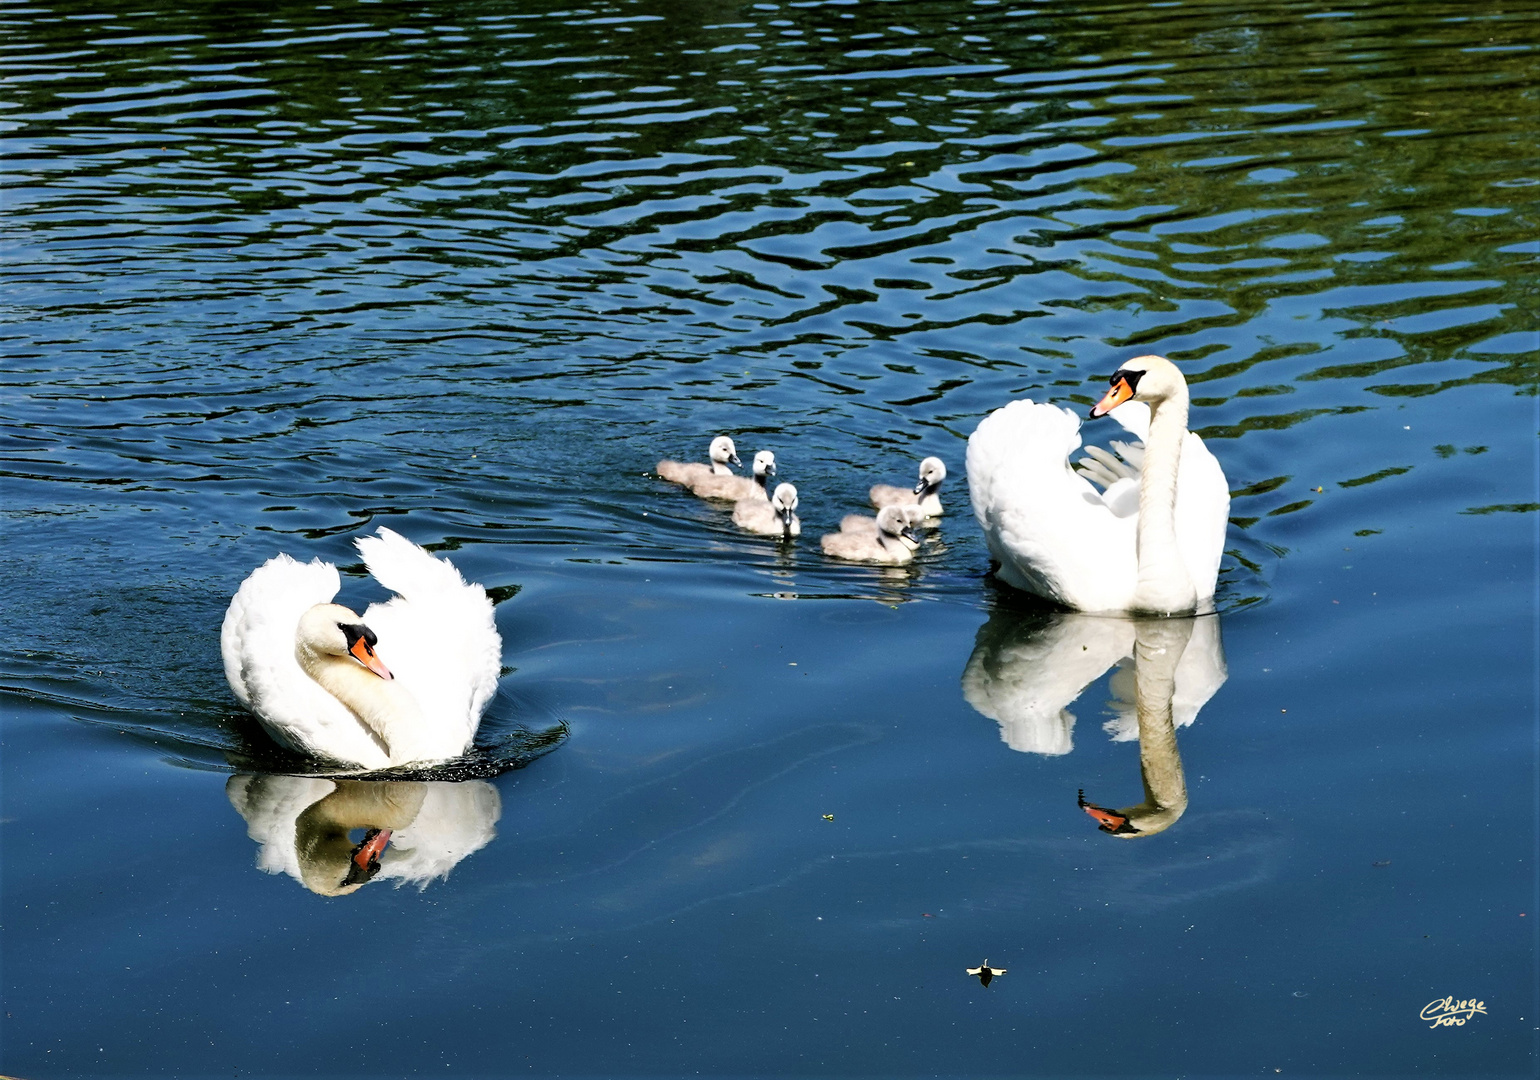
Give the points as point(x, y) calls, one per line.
point(333, 630)
point(1108, 821)
point(1150, 379)
point(784, 503)
point(764, 465)
point(894, 521)
point(932, 472)
point(723, 451)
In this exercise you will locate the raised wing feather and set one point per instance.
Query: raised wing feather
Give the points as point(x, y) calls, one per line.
point(1051, 531)
point(436, 635)
point(257, 643)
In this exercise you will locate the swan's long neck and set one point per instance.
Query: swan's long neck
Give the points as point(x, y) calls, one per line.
point(1158, 648)
point(386, 712)
point(1164, 585)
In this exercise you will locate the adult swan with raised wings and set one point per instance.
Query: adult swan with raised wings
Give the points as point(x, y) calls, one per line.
point(310, 671)
point(1150, 542)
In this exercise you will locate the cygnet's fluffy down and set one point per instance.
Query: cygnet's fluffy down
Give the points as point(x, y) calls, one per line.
point(778, 517)
point(740, 487)
point(861, 523)
point(893, 542)
point(690, 473)
point(926, 492)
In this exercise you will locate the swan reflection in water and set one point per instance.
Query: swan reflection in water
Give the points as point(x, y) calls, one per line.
point(335, 836)
point(1027, 670)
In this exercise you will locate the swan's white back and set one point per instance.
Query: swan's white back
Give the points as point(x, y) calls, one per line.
point(1055, 535)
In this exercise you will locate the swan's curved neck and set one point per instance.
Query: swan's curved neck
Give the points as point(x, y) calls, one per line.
point(1164, 585)
point(386, 713)
point(1158, 649)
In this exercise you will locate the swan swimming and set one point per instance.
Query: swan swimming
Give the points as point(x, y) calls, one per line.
point(310, 671)
point(1055, 535)
point(778, 517)
point(926, 492)
point(721, 453)
point(736, 488)
point(893, 541)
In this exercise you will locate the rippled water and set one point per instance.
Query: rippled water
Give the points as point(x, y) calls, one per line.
point(275, 275)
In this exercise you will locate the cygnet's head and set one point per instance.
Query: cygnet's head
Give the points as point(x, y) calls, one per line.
point(764, 465)
point(932, 472)
point(894, 521)
point(723, 451)
point(333, 630)
point(1150, 379)
point(784, 503)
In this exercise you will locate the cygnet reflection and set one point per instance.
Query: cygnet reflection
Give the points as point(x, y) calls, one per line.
point(335, 836)
point(1026, 672)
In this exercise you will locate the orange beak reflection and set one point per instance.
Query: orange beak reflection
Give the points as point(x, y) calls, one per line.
point(1119, 393)
point(370, 659)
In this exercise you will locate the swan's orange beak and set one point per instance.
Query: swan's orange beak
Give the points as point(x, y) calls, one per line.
point(1119, 393)
point(1106, 820)
point(364, 653)
point(366, 857)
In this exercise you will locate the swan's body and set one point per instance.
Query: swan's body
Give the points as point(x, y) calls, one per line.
point(720, 454)
point(926, 492)
point(893, 541)
point(1151, 542)
point(913, 514)
point(777, 517)
point(302, 824)
point(307, 668)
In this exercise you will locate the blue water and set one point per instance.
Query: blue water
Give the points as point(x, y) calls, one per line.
point(276, 276)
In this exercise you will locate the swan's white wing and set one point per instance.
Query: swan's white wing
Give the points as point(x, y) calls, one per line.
point(257, 642)
point(1202, 514)
point(1025, 679)
point(1051, 531)
point(454, 821)
point(436, 636)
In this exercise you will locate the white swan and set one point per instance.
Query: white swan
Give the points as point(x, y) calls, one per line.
point(926, 492)
point(309, 671)
point(1055, 535)
point(737, 488)
point(778, 517)
point(689, 473)
point(893, 541)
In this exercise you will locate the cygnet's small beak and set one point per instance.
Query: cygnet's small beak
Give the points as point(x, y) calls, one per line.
point(365, 861)
point(365, 655)
point(909, 533)
point(1119, 393)
point(919, 489)
point(735, 459)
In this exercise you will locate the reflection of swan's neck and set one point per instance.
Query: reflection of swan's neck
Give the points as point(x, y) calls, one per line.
point(381, 707)
point(1164, 585)
point(1158, 647)
point(321, 839)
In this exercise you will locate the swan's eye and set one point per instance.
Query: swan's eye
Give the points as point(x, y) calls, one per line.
point(1130, 377)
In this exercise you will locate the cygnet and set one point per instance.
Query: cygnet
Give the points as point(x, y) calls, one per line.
point(893, 542)
point(860, 523)
point(690, 473)
point(778, 517)
point(926, 492)
point(754, 488)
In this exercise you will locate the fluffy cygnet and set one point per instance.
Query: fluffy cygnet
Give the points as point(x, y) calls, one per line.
point(754, 488)
point(690, 473)
point(926, 492)
point(867, 526)
point(893, 542)
point(778, 517)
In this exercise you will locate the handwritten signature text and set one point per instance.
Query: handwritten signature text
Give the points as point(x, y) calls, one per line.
point(1449, 1012)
